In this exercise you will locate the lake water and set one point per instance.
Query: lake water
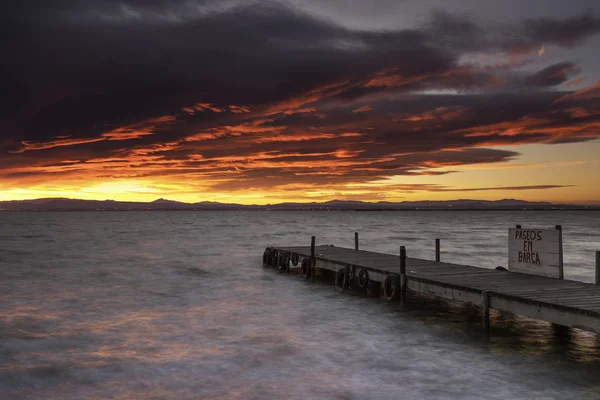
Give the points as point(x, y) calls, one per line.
point(176, 305)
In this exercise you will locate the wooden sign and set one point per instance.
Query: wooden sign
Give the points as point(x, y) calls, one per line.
point(536, 251)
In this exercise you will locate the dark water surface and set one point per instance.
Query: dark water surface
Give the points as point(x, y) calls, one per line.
point(176, 305)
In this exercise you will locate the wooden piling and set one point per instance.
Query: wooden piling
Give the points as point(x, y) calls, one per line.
point(355, 240)
point(312, 259)
point(437, 250)
point(402, 274)
point(598, 268)
point(549, 299)
point(485, 310)
point(560, 251)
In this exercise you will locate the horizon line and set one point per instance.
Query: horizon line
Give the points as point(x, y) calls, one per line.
point(366, 202)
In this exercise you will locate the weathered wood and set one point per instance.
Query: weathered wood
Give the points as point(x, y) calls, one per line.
point(402, 274)
point(598, 268)
point(402, 260)
point(535, 251)
point(312, 258)
point(437, 250)
point(355, 240)
point(559, 228)
point(546, 312)
point(559, 301)
point(485, 310)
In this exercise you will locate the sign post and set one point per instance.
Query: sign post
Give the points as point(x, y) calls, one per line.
point(536, 251)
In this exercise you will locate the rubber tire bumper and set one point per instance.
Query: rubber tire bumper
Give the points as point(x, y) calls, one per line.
point(295, 259)
point(306, 268)
point(363, 278)
point(274, 258)
point(391, 287)
point(341, 279)
point(267, 258)
point(284, 261)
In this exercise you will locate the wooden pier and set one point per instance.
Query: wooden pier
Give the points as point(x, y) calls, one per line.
point(559, 301)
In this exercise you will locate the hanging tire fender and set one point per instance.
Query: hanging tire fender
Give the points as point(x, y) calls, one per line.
point(305, 267)
point(341, 278)
point(267, 258)
point(284, 261)
point(363, 278)
point(295, 259)
point(274, 258)
point(391, 287)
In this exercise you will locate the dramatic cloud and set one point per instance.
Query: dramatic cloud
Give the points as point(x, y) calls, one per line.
point(260, 95)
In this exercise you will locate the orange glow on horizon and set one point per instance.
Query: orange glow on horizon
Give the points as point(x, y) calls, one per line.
point(264, 155)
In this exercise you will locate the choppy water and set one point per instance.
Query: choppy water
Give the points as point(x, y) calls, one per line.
point(176, 305)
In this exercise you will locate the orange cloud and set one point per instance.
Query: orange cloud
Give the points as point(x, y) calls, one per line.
point(208, 106)
point(391, 78)
point(300, 111)
point(200, 107)
point(364, 108)
point(64, 141)
point(575, 82)
point(132, 131)
point(309, 96)
point(440, 113)
point(590, 92)
point(239, 109)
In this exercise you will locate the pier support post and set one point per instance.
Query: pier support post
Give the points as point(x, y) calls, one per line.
point(312, 259)
point(437, 250)
point(355, 240)
point(560, 251)
point(402, 274)
point(485, 310)
point(598, 268)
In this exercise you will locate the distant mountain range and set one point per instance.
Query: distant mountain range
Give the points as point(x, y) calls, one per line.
point(63, 204)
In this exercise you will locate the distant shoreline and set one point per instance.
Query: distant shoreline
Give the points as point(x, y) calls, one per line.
point(304, 210)
point(66, 204)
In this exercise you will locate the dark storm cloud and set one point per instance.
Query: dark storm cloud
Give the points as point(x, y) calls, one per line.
point(271, 93)
point(461, 33)
point(568, 32)
point(72, 78)
point(553, 75)
point(75, 66)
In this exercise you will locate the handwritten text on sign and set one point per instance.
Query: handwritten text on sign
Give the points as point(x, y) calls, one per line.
point(535, 251)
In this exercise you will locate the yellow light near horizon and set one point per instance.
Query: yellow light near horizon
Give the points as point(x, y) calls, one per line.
point(121, 187)
point(575, 169)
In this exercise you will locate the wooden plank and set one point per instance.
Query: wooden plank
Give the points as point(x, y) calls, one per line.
point(545, 235)
point(535, 251)
point(583, 305)
point(549, 314)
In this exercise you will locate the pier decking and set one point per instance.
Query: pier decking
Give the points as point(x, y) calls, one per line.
point(560, 301)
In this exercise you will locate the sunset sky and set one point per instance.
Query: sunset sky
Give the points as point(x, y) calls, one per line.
point(272, 101)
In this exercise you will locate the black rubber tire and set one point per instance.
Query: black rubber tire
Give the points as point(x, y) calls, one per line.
point(295, 259)
point(351, 276)
point(500, 268)
point(274, 258)
point(391, 287)
point(341, 279)
point(362, 278)
point(267, 258)
point(284, 261)
point(306, 268)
